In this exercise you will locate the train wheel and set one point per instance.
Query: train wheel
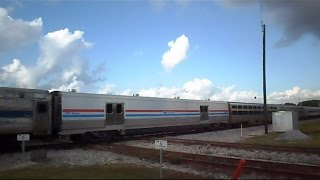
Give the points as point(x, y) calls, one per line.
point(76, 138)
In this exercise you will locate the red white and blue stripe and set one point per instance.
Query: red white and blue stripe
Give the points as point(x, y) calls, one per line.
point(135, 113)
point(171, 113)
point(219, 113)
point(83, 113)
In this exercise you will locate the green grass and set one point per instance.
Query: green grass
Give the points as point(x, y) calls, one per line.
point(111, 171)
point(312, 129)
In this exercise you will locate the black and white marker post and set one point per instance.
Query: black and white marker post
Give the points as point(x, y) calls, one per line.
point(160, 144)
point(23, 138)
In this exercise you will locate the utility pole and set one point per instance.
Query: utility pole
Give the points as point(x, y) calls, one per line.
point(264, 81)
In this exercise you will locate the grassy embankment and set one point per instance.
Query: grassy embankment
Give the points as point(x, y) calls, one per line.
point(312, 129)
point(111, 171)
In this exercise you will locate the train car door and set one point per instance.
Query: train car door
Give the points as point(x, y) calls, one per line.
point(41, 117)
point(114, 114)
point(204, 115)
point(119, 115)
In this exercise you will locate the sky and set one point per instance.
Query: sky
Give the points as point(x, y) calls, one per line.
point(194, 49)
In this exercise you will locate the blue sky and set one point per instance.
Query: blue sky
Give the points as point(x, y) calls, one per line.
point(119, 47)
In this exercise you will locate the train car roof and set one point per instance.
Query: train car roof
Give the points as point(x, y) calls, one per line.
point(249, 103)
point(135, 97)
point(22, 89)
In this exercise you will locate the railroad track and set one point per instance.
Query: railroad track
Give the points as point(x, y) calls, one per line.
point(175, 133)
point(246, 146)
point(217, 163)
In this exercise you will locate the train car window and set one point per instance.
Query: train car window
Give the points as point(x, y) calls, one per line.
point(239, 107)
point(109, 108)
point(250, 107)
point(21, 95)
point(234, 107)
point(119, 108)
point(204, 109)
point(42, 108)
point(235, 112)
point(259, 107)
point(245, 107)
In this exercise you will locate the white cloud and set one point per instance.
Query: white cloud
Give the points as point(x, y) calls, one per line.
point(230, 94)
point(59, 65)
point(294, 95)
point(17, 73)
point(159, 92)
point(16, 33)
point(127, 92)
point(73, 84)
point(176, 54)
point(202, 89)
point(197, 89)
point(107, 89)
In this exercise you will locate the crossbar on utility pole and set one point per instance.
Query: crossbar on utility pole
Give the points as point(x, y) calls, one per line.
point(264, 81)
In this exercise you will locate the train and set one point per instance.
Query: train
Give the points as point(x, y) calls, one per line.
point(91, 117)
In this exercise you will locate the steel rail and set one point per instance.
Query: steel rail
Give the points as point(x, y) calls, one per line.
point(217, 163)
point(246, 146)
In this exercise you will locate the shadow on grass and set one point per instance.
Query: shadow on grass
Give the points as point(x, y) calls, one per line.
point(111, 171)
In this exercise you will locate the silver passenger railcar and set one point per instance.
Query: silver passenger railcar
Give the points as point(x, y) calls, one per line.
point(25, 111)
point(250, 113)
point(99, 115)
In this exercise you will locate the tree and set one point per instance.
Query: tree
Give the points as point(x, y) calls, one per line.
point(310, 103)
point(289, 104)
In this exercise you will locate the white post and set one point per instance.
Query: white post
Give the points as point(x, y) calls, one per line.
point(23, 148)
point(23, 138)
point(160, 144)
point(241, 129)
point(160, 163)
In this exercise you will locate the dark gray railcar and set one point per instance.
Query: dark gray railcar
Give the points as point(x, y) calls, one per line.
point(25, 111)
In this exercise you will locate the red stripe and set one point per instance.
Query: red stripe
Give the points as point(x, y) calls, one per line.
point(83, 110)
point(153, 110)
point(138, 110)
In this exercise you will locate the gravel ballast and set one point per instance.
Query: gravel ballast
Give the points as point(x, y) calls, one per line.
point(87, 157)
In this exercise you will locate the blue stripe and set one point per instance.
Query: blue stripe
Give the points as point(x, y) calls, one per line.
point(186, 114)
point(82, 115)
point(141, 115)
point(221, 113)
point(12, 113)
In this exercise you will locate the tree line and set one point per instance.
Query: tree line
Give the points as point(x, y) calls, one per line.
point(310, 103)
